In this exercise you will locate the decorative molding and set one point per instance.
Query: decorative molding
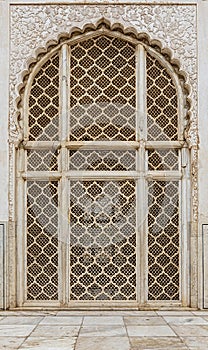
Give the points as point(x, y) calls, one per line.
point(98, 2)
point(174, 26)
point(194, 184)
point(32, 27)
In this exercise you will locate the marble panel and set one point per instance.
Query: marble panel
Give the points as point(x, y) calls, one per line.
point(7, 343)
point(21, 320)
point(106, 313)
point(15, 330)
point(150, 331)
point(187, 331)
point(102, 343)
point(185, 320)
point(103, 320)
point(175, 313)
point(196, 343)
point(102, 331)
point(56, 331)
point(65, 320)
point(200, 313)
point(26, 313)
point(46, 343)
point(153, 343)
point(141, 320)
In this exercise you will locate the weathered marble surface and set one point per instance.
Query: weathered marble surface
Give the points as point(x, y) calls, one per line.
point(32, 27)
point(170, 331)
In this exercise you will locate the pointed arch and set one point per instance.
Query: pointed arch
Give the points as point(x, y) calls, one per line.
point(151, 100)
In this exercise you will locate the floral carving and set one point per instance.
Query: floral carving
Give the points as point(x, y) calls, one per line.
point(174, 26)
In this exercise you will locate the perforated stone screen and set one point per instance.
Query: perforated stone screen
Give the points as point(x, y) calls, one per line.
point(42, 160)
point(103, 240)
point(162, 112)
point(42, 240)
point(103, 160)
point(163, 240)
point(103, 99)
point(44, 102)
point(167, 159)
point(92, 146)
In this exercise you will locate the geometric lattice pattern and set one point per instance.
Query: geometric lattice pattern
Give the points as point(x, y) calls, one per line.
point(103, 240)
point(102, 107)
point(103, 160)
point(162, 113)
point(42, 160)
point(102, 90)
point(159, 159)
point(163, 240)
point(42, 240)
point(44, 103)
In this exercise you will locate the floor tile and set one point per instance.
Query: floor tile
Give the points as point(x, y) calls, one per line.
point(139, 313)
point(78, 313)
point(200, 313)
point(15, 330)
point(55, 331)
point(34, 343)
point(197, 348)
point(102, 343)
point(163, 343)
point(103, 320)
point(10, 342)
point(106, 313)
point(196, 342)
point(24, 320)
point(143, 347)
point(150, 331)
point(102, 331)
point(141, 320)
point(174, 313)
point(27, 313)
point(185, 320)
point(59, 320)
point(186, 331)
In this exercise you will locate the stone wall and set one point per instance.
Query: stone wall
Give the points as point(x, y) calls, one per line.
point(33, 24)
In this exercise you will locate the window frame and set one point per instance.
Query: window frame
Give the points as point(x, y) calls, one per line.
point(142, 174)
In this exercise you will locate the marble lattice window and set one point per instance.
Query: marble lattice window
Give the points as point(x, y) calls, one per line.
point(102, 174)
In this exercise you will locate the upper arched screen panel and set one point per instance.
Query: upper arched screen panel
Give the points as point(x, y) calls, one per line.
point(110, 94)
point(103, 90)
point(44, 105)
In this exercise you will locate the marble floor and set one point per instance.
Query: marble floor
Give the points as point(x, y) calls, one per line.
point(104, 330)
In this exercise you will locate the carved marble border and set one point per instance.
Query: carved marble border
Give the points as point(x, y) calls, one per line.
point(174, 26)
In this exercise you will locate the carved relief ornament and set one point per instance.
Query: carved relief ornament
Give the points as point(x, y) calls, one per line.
point(172, 28)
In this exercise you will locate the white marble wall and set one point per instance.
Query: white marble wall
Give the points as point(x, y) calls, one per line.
point(4, 94)
point(203, 144)
point(202, 115)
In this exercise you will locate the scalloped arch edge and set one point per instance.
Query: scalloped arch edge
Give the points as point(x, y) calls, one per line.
point(142, 37)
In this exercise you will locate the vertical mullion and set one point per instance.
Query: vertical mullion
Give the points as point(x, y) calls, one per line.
point(68, 184)
point(141, 93)
point(64, 91)
point(140, 123)
point(21, 227)
point(181, 113)
point(183, 229)
point(63, 188)
point(142, 220)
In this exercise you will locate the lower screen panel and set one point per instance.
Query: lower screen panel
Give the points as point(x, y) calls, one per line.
point(163, 240)
point(103, 240)
point(42, 240)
